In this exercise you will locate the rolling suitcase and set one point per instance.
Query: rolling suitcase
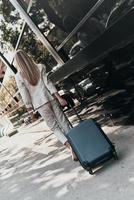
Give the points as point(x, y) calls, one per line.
point(91, 145)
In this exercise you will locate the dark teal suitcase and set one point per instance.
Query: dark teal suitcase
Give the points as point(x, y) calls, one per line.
point(91, 145)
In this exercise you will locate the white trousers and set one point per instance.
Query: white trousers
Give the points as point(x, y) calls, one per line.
point(55, 119)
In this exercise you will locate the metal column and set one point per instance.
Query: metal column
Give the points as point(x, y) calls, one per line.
point(5, 61)
point(23, 26)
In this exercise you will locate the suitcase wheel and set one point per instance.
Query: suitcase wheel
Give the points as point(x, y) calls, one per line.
point(115, 155)
point(90, 171)
point(85, 165)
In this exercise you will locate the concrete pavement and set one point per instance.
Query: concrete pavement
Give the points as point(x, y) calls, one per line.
point(35, 166)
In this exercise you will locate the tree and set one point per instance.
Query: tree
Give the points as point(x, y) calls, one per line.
point(9, 36)
point(10, 27)
point(57, 11)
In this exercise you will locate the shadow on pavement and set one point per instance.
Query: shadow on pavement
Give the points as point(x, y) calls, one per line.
point(30, 175)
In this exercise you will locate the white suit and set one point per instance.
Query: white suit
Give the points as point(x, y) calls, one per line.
point(37, 95)
point(41, 98)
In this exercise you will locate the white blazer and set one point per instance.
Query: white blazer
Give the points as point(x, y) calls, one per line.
point(36, 96)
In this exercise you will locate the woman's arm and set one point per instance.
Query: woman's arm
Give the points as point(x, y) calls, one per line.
point(62, 101)
point(51, 87)
point(25, 95)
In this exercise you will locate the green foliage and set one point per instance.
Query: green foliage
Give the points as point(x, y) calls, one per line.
point(6, 10)
point(10, 27)
point(8, 34)
point(29, 42)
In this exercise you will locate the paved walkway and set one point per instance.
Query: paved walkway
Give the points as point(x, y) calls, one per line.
point(34, 166)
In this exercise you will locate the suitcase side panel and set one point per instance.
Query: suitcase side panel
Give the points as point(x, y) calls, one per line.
point(89, 143)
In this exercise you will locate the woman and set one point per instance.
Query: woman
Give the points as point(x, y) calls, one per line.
point(39, 93)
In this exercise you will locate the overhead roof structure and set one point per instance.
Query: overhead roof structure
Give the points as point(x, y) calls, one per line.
point(27, 20)
point(86, 56)
point(116, 36)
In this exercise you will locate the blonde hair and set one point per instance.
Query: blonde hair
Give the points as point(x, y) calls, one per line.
point(27, 67)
